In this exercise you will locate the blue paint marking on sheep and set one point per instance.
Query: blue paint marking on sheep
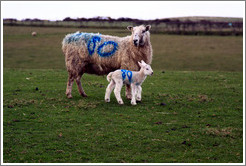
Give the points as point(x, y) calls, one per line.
point(106, 54)
point(76, 36)
point(79, 36)
point(92, 42)
point(127, 73)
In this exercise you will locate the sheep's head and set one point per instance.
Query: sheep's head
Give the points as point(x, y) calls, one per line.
point(146, 68)
point(139, 34)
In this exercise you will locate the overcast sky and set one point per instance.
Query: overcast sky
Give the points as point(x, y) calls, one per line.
point(55, 10)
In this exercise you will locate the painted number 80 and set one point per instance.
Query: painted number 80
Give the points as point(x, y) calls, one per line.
point(91, 46)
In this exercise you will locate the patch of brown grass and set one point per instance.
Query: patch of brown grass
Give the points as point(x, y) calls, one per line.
point(224, 132)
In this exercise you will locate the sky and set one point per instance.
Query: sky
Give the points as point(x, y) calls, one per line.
point(55, 10)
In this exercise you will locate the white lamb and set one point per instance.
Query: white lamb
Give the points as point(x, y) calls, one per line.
point(132, 78)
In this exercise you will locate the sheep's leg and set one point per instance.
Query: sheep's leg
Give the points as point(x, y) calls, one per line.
point(117, 91)
point(128, 92)
point(80, 89)
point(109, 90)
point(133, 101)
point(139, 93)
point(69, 86)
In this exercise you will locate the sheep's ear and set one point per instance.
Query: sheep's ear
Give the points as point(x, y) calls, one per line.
point(147, 28)
point(140, 64)
point(130, 28)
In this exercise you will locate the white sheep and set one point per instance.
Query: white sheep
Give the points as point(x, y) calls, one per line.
point(34, 33)
point(132, 78)
point(100, 54)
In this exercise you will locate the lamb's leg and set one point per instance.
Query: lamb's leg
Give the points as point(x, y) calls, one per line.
point(128, 92)
point(117, 91)
point(109, 89)
point(80, 89)
point(69, 86)
point(139, 93)
point(133, 101)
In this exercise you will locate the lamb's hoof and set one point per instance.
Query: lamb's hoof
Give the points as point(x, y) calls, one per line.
point(69, 96)
point(133, 103)
point(107, 100)
point(138, 100)
point(120, 102)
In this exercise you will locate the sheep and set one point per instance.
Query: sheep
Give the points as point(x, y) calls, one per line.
point(100, 54)
point(132, 78)
point(34, 33)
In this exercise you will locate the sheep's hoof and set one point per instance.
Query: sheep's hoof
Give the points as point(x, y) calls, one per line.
point(69, 96)
point(129, 97)
point(120, 102)
point(84, 95)
point(107, 100)
point(133, 103)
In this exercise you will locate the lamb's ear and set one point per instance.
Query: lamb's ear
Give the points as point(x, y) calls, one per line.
point(130, 28)
point(147, 28)
point(140, 64)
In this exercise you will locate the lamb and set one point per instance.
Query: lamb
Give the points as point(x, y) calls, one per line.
point(132, 78)
point(100, 54)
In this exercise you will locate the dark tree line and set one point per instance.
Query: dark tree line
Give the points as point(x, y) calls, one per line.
point(174, 26)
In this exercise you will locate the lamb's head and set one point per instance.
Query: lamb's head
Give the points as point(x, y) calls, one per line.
point(140, 34)
point(146, 68)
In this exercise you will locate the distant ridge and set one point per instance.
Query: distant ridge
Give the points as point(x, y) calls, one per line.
point(190, 18)
point(215, 19)
point(193, 25)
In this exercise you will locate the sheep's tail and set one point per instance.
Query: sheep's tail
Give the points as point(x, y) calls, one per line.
point(109, 76)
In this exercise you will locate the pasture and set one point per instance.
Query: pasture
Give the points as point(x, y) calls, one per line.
point(171, 52)
point(191, 111)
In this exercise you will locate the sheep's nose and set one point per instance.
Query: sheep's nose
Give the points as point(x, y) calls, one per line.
point(135, 41)
point(152, 73)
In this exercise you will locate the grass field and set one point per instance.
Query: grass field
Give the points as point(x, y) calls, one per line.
point(184, 117)
point(191, 111)
point(171, 52)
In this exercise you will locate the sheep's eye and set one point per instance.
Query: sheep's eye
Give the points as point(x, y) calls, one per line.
point(143, 31)
point(147, 69)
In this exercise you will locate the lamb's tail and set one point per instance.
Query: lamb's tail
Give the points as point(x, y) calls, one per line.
point(109, 76)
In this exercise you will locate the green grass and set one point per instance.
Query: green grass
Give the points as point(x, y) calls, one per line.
point(171, 52)
point(189, 116)
point(201, 120)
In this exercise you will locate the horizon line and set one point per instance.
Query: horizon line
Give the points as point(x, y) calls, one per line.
point(124, 17)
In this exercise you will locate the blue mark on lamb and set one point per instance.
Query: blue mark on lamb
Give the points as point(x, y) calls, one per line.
point(127, 73)
point(123, 74)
